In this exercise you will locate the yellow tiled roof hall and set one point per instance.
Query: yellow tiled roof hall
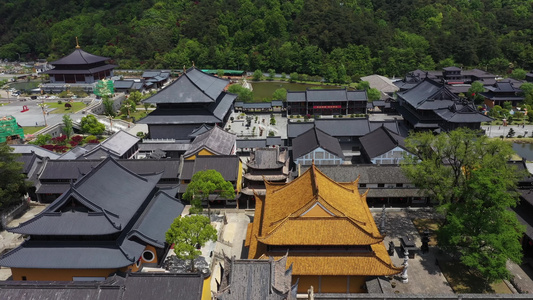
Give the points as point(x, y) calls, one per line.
point(325, 226)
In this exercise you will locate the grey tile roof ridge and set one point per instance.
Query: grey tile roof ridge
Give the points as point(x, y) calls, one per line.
point(135, 231)
point(65, 60)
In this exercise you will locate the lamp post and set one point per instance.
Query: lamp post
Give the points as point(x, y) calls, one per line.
point(110, 123)
point(42, 105)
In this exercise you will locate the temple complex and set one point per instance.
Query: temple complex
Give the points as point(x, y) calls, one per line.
point(325, 228)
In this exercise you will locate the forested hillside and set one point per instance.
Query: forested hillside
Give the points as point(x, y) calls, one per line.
point(316, 37)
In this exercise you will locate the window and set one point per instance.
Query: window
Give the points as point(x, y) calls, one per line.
point(24, 278)
point(362, 185)
point(399, 185)
point(148, 256)
point(381, 185)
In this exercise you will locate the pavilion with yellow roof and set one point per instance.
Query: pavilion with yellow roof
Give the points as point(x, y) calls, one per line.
point(327, 230)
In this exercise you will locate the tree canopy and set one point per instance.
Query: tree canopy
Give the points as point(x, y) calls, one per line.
point(243, 94)
point(89, 124)
point(67, 125)
point(12, 184)
point(188, 233)
point(309, 37)
point(468, 175)
point(205, 183)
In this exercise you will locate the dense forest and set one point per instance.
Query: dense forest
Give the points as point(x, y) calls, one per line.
point(348, 38)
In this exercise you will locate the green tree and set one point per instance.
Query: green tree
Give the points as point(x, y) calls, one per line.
point(280, 94)
point(373, 94)
point(220, 73)
point(42, 139)
point(293, 77)
point(519, 74)
point(127, 107)
point(271, 74)
point(474, 92)
point(468, 175)
point(258, 74)
point(89, 124)
point(205, 183)
point(12, 184)
point(187, 233)
point(136, 97)
point(146, 106)
point(108, 106)
point(243, 94)
point(67, 126)
point(363, 85)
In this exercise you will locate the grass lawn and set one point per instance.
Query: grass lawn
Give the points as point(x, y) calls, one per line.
point(60, 108)
point(138, 114)
point(463, 281)
point(31, 129)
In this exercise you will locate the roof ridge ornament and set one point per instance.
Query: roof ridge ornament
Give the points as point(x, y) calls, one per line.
point(77, 44)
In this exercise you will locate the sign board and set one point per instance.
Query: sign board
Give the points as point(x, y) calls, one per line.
point(326, 106)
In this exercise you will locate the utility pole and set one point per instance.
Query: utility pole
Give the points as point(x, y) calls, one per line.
point(44, 113)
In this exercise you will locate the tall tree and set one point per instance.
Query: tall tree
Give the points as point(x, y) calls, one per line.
point(89, 124)
point(188, 233)
point(205, 183)
point(468, 174)
point(12, 184)
point(67, 125)
point(108, 106)
point(243, 94)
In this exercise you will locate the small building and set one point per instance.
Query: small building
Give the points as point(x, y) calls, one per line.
point(110, 220)
point(215, 141)
point(383, 84)
point(270, 164)
point(121, 145)
point(326, 102)
point(129, 85)
point(501, 92)
point(326, 230)
point(383, 146)
point(316, 146)
point(256, 279)
point(432, 106)
point(155, 78)
point(192, 100)
point(79, 69)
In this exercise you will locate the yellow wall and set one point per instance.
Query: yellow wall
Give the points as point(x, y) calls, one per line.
point(330, 284)
point(150, 248)
point(239, 178)
point(202, 152)
point(317, 211)
point(58, 274)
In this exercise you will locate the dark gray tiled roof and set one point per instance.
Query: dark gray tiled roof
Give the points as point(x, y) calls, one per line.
point(357, 95)
point(370, 174)
point(73, 169)
point(78, 71)
point(107, 181)
point(74, 153)
point(226, 165)
point(199, 130)
point(312, 139)
point(256, 279)
point(221, 107)
point(180, 116)
point(52, 188)
point(428, 94)
point(156, 219)
point(453, 68)
point(293, 96)
point(123, 84)
point(150, 74)
point(117, 287)
point(216, 141)
point(41, 152)
point(326, 95)
point(119, 143)
point(79, 57)
point(381, 141)
point(462, 113)
point(163, 146)
point(194, 86)
point(69, 255)
point(339, 127)
point(27, 160)
point(265, 158)
point(255, 143)
point(274, 141)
